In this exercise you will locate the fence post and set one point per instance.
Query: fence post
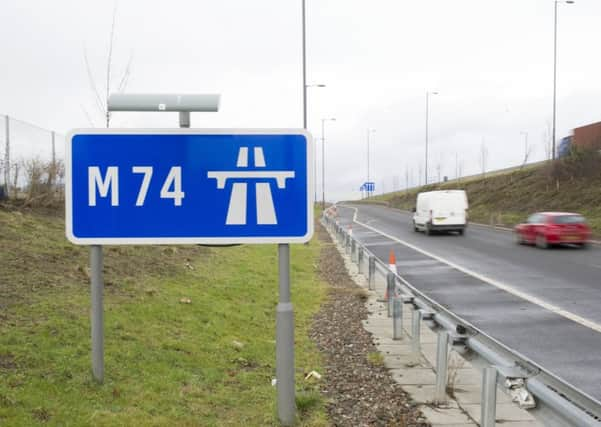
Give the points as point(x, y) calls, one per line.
point(397, 319)
point(7, 156)
point(489, 397)
point(371, 272)
point(416, 319)
point(390, 291)
point(442, 351)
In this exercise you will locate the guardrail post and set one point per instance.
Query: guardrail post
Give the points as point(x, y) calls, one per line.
point(416, 320)
point(353, 250)
point(397, 319)
point(442, 352)
point(390, 291)
point(489, 397)
point(359, 258)
point(371, 273)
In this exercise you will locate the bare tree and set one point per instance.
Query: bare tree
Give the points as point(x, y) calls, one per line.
point(16, 168)
point(527, 152)
point(101, 98)
point(547, 141)
point(483, 156)
point(456, 166)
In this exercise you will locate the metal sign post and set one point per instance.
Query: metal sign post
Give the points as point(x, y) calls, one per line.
point(284, 351)
point(143, 186)
point(97, 315)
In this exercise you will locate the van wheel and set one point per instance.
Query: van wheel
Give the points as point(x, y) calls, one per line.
point(541, 242)
point(461, 232)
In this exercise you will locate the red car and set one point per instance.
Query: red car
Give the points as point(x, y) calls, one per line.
point(553, 228)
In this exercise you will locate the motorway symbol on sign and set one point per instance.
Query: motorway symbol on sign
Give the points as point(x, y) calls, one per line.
point(236, 213)
point(188, 186)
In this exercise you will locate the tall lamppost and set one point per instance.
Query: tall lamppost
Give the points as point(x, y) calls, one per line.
point(305, 127)
point(369, 132)
point(323, 161)
point(555, 69)
point(427, 117)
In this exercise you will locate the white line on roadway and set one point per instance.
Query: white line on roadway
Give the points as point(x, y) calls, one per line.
point(534, 300)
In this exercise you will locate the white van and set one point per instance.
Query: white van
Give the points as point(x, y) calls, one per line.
point(444, 210)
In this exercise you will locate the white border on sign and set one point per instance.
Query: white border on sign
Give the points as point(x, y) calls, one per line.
point(186, 240)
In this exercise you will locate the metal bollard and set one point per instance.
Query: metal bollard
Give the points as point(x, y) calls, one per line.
point(397, 319)
point(489, 397)
point(390, 291)
point(442, 361)
point(359, 259)
point(416, 320)
point(371, 273)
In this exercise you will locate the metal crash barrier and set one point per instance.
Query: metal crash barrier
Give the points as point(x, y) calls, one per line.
point(548, 398)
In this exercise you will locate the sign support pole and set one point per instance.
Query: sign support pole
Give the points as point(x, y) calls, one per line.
point(97, 315)
point(285, 342)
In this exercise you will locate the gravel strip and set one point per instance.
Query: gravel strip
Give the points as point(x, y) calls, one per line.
point(358, 388)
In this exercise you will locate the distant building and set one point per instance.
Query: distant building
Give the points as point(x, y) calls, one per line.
point(588, 136)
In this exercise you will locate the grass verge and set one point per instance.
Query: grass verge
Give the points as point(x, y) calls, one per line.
point(189, 331)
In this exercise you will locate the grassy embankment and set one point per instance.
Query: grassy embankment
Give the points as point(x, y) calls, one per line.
point(189, 331)
point(508, 198)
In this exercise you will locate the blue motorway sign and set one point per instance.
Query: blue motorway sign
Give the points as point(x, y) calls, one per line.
point(369, 186)
point(139, 186)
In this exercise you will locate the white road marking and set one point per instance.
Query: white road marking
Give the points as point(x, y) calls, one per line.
point(534, 300)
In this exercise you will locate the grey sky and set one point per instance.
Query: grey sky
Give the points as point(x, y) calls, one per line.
point(491, 61)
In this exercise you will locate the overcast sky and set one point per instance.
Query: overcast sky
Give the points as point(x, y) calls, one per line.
point(490, 60)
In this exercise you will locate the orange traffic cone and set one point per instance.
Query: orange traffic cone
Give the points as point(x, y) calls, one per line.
point(392, 262)
point(392, 267)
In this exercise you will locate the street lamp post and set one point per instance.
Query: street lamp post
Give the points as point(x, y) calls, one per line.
point(323, 161)
point(305, 127)
point(555, 71)
point(427, 117)
point(369, 131)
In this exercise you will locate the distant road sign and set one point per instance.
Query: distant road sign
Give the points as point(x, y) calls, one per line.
point(142, 186)
point(368, 186)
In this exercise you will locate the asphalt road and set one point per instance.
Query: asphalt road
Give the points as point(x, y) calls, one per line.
point(542, 303)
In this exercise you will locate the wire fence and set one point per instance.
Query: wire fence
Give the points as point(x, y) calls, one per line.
point(31, 162)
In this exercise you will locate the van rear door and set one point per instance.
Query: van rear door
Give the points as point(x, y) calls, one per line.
point(449, 209)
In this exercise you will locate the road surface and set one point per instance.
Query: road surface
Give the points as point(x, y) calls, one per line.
point(545, 304)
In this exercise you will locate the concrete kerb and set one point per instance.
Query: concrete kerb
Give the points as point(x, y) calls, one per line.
point(416, 373)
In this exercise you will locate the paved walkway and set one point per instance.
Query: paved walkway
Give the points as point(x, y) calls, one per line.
point(418, 377)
